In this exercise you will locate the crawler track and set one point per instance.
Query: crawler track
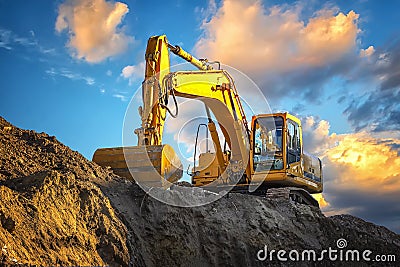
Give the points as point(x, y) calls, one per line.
point(295, 194)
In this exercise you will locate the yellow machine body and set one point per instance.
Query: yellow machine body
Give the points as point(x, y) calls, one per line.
point(269, 152)
point(273, 163)
point(286, 163)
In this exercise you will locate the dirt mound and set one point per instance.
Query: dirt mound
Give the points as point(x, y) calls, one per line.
point(232, 230)
point(58, 208)
point(51, 212)
point(24, 152)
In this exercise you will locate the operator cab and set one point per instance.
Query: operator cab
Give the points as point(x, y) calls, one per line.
point(277, 153)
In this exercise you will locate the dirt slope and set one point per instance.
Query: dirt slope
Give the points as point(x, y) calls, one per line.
point(231, 231)
point(57, 208)
point(50, 210)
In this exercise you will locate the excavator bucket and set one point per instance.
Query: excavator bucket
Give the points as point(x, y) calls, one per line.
point(151, 166)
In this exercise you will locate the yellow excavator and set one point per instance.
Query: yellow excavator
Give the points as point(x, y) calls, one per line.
point(265, 157)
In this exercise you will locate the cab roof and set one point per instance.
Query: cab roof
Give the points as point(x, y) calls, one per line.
point(285, 115)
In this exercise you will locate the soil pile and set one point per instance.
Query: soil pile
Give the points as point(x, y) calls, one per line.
point(57, 208)
point(51, 212)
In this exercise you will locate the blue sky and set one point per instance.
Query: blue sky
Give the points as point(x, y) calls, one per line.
point(46, 89)
point(334, 64)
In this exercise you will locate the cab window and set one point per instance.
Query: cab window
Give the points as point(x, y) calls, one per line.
point(267, 146)
point(293, 142)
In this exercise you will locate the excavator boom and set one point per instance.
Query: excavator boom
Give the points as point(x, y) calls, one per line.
point(150, 154)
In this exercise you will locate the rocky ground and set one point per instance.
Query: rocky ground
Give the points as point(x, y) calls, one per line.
point(58, 208)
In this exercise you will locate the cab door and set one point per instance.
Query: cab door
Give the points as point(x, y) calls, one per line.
point(293, 148)
point(267, 152)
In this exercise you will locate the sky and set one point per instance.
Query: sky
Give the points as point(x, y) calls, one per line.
point(70, 68)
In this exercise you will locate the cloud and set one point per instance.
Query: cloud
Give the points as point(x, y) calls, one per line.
point(279, 49)
point(321, 200)
point(361, 172)
point(316, 136)
point(378, 108)
point(208, 12)
point(10, 40)
point(133, 72)
point(379, 112)
point(364, 176)
point(370, 161)
point(93, 30)
point(5, 39)
point(275, 39)
point(368, 52)
point(71, 75)
point(121, 97)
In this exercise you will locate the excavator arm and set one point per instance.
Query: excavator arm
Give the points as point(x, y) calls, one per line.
point(215, 88)
point(157, 66)
point(154, 94)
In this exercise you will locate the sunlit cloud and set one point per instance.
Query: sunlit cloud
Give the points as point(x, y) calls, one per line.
point(92, 27)
point(368, 52)
point(363, 163)
point(361, 171)
point(275, 38)
point(363, 178)
point(279, 48)
point(321, 200)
